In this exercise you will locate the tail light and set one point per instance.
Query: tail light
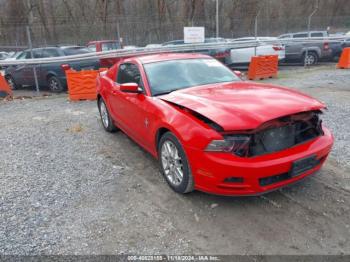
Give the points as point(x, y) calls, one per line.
point(325, 46)
point(278, 48)
point(65, 67)
point(222, 54)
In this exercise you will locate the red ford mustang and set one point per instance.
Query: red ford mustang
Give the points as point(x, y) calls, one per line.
point(210, 130)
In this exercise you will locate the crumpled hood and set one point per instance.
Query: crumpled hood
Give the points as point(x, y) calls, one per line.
point(242, 105)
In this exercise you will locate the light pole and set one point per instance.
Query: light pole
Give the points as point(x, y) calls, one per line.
point(306, 59)
point(217, 18)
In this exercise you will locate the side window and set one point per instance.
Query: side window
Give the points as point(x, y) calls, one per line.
point(92, 48)
point(37, 53)
point(28, 55)
point(316, 34)
point(300, 35)
point(129, 73)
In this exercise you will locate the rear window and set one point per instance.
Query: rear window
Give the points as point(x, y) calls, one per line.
point(76, 50)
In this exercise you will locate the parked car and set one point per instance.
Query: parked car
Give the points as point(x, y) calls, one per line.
point(128, 47)
point(220, 53)
point(210, 130)
point(3, 55)
point(103, 45)
point(310, 53)
point(242, 56)
point(345, 43)
point(153, 46)
point(11, 57)
point(51, 75)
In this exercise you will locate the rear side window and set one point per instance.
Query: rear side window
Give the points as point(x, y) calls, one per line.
point(299, 35)
point(129, 73)
point(50, 52)
point(316, 35)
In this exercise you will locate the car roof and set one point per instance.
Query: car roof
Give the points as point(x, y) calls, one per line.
point(145, 59)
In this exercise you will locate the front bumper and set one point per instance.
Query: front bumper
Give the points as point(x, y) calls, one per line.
point(210, 169)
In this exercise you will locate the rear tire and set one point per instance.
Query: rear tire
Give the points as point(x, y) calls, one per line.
point(174, 164)
point(54, 84)
point(106, 119)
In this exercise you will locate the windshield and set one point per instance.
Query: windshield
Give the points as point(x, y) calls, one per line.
point(167, 76)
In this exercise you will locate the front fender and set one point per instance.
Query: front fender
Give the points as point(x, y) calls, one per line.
point(315, 49)
point(191, 131)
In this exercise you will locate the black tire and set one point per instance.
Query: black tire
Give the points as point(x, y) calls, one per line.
point(186, 184)
point(310, 59)
point(107, 122)
point(11, 82)
point(54, 84)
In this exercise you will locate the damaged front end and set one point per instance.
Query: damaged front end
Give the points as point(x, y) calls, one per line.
point(272, 136)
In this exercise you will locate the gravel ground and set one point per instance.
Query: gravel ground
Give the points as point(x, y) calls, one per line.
point(68, 187)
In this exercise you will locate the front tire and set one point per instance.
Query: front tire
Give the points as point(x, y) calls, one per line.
point(174, 164)
point(106, 119)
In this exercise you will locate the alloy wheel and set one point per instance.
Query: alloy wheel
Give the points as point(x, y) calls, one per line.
point(11, 83)
point(310, 59)
point(104, 114)
point(54, 85)
point(172, 163)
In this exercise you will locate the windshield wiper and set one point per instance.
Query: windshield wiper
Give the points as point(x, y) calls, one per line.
point(166, 92)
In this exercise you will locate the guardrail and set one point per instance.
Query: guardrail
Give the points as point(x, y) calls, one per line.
point(166, 49)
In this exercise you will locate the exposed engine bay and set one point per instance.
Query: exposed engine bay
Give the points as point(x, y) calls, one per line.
point(285, 132)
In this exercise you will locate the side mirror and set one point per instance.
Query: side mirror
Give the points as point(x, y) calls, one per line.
point(238, 73)
point(130, 88)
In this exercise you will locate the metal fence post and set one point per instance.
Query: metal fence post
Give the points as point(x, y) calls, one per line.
point(256, 30)
point(32, 56)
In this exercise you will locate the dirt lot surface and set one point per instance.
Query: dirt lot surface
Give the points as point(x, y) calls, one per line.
point(68, 187)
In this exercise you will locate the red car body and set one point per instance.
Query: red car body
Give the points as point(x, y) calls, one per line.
point(236, 107)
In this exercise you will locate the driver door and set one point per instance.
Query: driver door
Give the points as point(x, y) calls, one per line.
point(131, 109)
